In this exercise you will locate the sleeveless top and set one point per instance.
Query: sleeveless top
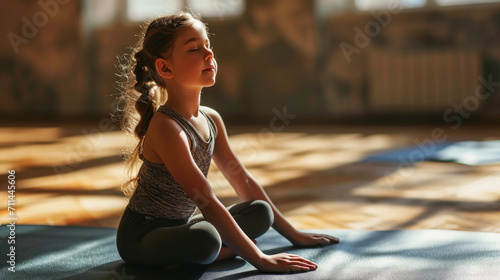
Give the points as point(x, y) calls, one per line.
point(158, 194)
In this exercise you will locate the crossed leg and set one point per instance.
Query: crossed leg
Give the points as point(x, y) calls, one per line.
point(198, 241)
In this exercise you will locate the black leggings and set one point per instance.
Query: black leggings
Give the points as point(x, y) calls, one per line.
point(163, 242)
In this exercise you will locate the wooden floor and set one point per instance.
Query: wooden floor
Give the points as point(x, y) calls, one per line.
point(71, 175)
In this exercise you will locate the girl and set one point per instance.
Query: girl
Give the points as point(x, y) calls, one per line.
point(177, 140)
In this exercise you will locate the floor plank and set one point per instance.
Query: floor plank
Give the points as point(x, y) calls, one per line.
point(71, 175)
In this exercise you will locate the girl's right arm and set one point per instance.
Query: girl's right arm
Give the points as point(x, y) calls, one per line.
point(171, 144)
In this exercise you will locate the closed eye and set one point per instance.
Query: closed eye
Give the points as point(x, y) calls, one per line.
point(195, 50)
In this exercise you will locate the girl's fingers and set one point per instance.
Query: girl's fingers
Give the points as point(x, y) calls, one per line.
point(289, 263)
point(308, 262)
point(304, 268)
point(310, 265)
point(300, 260)
point(301, 268)
point(326, 239)
point(334, 239)
point(322, 240)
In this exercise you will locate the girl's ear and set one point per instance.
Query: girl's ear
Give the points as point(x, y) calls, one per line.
point(163, 68)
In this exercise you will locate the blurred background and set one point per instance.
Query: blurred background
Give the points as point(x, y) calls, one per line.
point(334, 59)
point(356, 77)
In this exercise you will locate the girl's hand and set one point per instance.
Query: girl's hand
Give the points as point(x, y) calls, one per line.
point(285, 263)
point(302, 239)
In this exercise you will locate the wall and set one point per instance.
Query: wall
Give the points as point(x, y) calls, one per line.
point(346, 70)
point(42, 58)
point(277, 55)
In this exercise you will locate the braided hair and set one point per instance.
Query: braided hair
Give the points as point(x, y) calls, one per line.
point(144, 105)
point(142, 90)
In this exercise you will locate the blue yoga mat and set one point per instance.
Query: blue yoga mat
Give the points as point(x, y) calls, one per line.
point(70, 252)
point(472, 153)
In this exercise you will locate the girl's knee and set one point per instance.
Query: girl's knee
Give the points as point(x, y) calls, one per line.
point(264, 212)
point(206, 242)
point(254, 217)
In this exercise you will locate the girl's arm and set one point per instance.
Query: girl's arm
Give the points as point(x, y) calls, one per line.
point(172, 145)
point(248, 189)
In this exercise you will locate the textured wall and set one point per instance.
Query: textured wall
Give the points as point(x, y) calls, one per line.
point(345, 72)
point(277, 54)
point(42, 58)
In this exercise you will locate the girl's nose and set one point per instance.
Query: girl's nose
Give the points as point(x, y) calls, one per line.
point(210, 54)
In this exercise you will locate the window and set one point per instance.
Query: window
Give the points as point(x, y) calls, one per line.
point(463, 2)
point(366, 5)
point(217, 8)
point(139, 10)
point(99, 13)
point(325, 7)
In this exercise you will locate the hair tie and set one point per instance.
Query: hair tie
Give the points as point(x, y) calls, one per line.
point(145, 95)
point(139, 55)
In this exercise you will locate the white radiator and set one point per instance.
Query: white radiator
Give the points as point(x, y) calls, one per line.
point(429, 81)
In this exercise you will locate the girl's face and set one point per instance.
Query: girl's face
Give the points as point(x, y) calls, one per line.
point(192, 60)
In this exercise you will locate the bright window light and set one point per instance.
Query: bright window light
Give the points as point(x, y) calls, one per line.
point(366, 5)
point(139, 10)
point(217, 8)
point(324, 7)
point(99, 13)
point(463, 2)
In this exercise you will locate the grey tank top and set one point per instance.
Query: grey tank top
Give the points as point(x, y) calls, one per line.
point(158, 194)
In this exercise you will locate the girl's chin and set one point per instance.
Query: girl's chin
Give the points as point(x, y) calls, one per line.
point(210, 83)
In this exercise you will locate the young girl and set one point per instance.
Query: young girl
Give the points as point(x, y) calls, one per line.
point(177, 140)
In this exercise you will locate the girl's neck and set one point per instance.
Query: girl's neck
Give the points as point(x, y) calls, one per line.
point(184, 101)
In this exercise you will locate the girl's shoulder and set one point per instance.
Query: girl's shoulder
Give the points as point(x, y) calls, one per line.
point(212, 113)
point(209, 110)
point(162, 125)
point(216, 118)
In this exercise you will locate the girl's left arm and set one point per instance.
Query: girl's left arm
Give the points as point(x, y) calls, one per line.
point(248, 189)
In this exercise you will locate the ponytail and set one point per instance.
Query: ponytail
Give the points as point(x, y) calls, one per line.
point(144, 105)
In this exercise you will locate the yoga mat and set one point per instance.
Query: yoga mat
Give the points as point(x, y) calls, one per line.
point(71, 252)
point(472, 153)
